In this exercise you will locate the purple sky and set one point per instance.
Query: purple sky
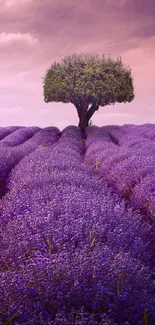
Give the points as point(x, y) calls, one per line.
point(34, 33)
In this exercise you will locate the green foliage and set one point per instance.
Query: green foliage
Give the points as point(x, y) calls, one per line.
point(90, 78)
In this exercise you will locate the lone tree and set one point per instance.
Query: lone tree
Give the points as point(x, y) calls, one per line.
point(87, 79)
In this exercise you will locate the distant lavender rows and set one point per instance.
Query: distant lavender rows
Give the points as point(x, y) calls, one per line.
point(128, 166)
point(67, 239)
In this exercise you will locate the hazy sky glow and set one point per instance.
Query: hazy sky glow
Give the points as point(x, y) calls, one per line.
point(34, 33)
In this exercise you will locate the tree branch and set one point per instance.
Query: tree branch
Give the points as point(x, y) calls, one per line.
point(91, 111)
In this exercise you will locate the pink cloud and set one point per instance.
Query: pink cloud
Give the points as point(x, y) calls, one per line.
point(6, 38)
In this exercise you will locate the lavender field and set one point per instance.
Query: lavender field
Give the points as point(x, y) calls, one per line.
point(77, 225)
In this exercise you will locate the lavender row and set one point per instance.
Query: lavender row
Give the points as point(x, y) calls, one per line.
point(46, 137)
point(92, 250)
point(143, 195)
point(130, 135)
point(11, 156)
point(19, 136)
point(5, 131)
point(123, 167)
point(43, 162)
point(146, 131)
point(95, 134)
point(130, 171)
point(134, 142)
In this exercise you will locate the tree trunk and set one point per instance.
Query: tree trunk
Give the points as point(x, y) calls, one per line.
point(89, 114)
point(83, 115)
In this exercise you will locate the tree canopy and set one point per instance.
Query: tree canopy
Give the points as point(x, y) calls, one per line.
point(87, 79)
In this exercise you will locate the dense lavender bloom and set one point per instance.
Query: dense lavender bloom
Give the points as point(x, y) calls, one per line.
point(135, 136)
point(72, 251)
point(111, 129)
point(95, 135)
point(135, 142)
point(41, 163)
point(79, 240)
point(123, 167)
point(97, 279)
point(99, 149)
point(8, 159)
point(98, 142)
point(143, 195)
point(52, 174)
point(5, 131)
point(72, 135)
point(74, 146)
point(146, 131)
point(19, 136)
point(55, 179)
point(71, 132)
point(106, 145)
point(43, 138)
point(131, 171)
point(92, 133)
point(46, 203)
point(108, 157)
point(130, 135)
